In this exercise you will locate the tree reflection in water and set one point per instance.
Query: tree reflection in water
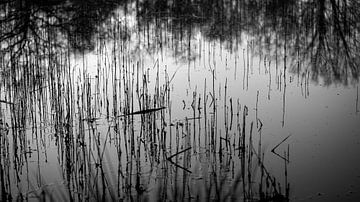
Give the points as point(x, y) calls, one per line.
point(49, 22)
point(321, 35)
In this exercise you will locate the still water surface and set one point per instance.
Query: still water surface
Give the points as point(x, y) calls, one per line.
point(171, 101)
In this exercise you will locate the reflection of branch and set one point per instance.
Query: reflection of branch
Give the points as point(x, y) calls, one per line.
point(177, 165)
point(169, 158)
point(341, 34)
point(311, 45)
point(6, 102)
point(9, 35)
point(273, 150)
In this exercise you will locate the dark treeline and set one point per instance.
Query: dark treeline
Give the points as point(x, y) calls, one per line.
point(321, 33)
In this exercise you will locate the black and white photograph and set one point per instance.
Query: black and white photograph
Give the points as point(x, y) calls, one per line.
point(180, 100)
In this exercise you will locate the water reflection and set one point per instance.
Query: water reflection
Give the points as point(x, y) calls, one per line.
point(55, 112)
point(39, 23)
point(320, 36)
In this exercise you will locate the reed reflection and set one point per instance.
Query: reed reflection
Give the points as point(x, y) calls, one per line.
point(116, 108)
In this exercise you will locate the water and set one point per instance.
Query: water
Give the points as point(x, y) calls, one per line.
point(199, 100)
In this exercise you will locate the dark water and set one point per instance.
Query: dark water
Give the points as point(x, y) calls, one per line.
point(179, 101)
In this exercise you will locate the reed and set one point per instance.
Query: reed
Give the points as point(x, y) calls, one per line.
point(109, 126)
